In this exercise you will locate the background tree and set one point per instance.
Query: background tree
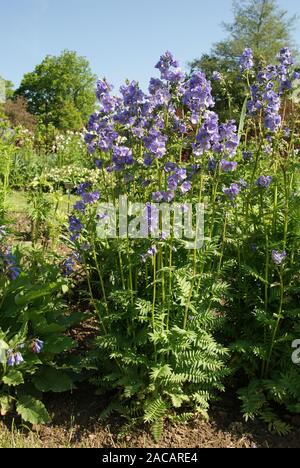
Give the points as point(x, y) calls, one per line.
point(259, 24)
point(60, 91)
point(16, 111)
point(9, 88)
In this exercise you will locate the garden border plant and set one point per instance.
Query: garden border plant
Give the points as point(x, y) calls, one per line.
point(34, 345)
point(167, 315)
point(176, 326)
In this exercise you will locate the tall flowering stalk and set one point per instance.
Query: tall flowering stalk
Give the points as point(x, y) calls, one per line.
point(161, 306)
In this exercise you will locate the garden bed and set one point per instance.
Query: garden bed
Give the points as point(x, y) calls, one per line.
point(76, 425)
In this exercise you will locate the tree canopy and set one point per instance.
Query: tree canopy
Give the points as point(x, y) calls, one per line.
point(60, 91)
point(258, 24)
point(8, 87)
point(16, 111)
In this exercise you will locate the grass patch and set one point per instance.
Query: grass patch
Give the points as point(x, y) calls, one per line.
point(17, 201)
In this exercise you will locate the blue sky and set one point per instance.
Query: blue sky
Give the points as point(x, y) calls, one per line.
point(121, 39)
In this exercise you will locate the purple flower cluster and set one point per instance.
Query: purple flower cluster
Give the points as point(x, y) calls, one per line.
point(70, 263)
point(215, 137)
point(139, 118)
point(150, 254)
point(75, 227)
point(264, 182)
point(208, 136)
point(232, 192)
point(216, 76)
point(82, 188)
point(132, 95)
point(15, 357)
point(247, 156)
point(169, 68)
point(247, 60)
point(37, 346)
point(278, 257)
point(152, 217)
point(228, 166)
point(122, 156)
point(87, 198)
point(198, 96)
point(166, 197)
point(155, 143)
point(272, 82)
point(101, 133)
point(8, 264)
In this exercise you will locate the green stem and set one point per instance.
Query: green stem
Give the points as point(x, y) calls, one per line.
point(100, 276)
point(121, 271)
point(92, 295)
point(280, 317)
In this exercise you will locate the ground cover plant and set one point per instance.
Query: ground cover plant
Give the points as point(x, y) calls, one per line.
point(34, 321)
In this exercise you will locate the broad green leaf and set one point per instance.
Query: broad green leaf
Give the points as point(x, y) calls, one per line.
point(20, 337)
point(32, 410)
point(36, 293)
point(55, 345)
point(53, 380)
point(13, 378)
point(5, 404)
point(65, 288)
point(3, 348)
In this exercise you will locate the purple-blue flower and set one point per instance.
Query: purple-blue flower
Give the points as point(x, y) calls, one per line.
point(264, 182)
point(247, 156)
point(157, 197)
point(247, 60)
point(232, 192)
point(186, 187)
point(285, 57)
point(216, 76)
point(82, 188)
point(278, 257)
point(198, 95)
point(103, 88)
point(11, 361)
point(75, 227)
point(89, 198)
point(122, 155)
point(37, 346)
point(99, 164)
point(273, 121)
point(18, 358)
point(169, 196)
point(14, 359)
point(156, 142)
point(228, 166)
point(132, 94)
point(80, 206)
point(166, 64)
point(10, 266)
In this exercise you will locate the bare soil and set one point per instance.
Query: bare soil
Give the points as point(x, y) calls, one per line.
point(76, 425)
